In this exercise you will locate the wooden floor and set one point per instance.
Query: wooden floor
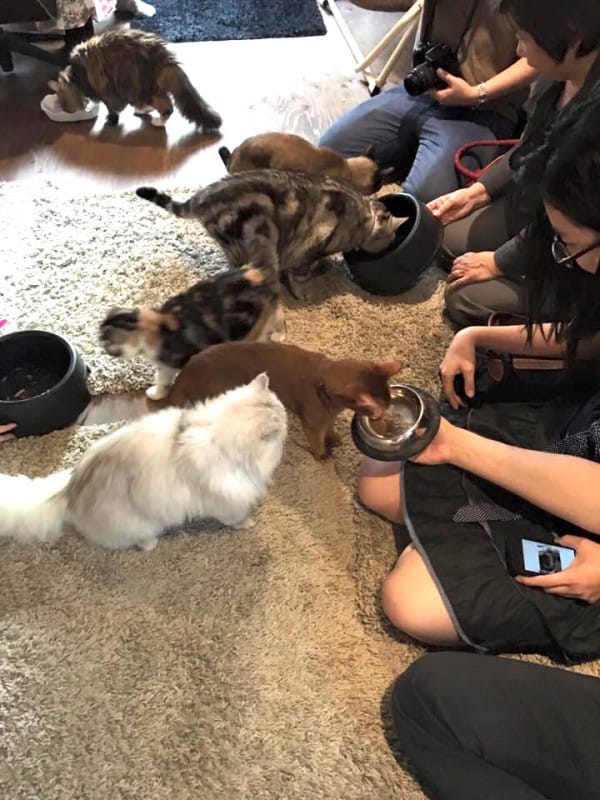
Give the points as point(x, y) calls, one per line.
point(300, 85)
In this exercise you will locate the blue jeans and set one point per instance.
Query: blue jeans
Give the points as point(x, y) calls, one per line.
point(417, 136)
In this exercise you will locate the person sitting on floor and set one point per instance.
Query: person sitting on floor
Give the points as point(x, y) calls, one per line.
point(562, 42)
point(475, 727)
point(469, 496)
point(419, 135)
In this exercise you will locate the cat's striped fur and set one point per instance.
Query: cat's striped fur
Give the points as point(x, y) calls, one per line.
point(232, 306)
point(284, 220)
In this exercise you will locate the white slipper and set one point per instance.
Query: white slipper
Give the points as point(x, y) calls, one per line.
point(51, 108)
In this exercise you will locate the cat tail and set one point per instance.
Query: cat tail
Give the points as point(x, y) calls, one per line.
point(165, 201)
point(190, 104)
point(33, 509)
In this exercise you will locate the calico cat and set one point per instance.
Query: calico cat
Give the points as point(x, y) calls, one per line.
point(236, 304)
point(316, 388)
point(290, 152)
point(131, 67)
point(215, 459)
point(284, 220)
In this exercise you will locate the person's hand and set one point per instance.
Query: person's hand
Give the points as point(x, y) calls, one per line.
point(457, 93)
point(473, 268)
point(580, 580)
point(459, 360)
point(440, 449)
point(5, 431)
point(460, 203)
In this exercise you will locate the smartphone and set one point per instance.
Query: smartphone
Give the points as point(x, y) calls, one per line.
point(532, 557)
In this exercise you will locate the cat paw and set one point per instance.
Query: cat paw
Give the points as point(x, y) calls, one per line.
point(157, 392)
point(249, 522)
point(148, 544)
point(278, 336)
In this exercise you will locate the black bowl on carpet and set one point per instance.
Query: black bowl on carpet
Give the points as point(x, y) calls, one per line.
point(418, 240)
point(43, 382)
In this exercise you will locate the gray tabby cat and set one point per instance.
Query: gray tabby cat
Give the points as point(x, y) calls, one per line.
point(284, 220)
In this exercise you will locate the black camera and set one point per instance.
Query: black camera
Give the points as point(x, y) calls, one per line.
point(427, 58)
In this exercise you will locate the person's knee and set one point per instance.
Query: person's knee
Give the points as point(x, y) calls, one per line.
point(402, 609)
point(375, 497)
point(378, 488)
point(463, 309)
point(412, 602)
point(423, 686)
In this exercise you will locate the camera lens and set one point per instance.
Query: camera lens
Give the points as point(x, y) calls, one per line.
point(420, 79)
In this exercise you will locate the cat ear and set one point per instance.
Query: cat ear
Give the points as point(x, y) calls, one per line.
point(261, 381)
point(53, 85)
point(370, 152)
point(389, 368)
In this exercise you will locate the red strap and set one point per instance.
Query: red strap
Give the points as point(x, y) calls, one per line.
point(474, 174)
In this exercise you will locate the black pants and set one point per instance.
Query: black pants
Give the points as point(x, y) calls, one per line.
point(486, 728)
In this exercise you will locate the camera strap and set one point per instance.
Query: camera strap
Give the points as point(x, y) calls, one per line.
point(429, 16)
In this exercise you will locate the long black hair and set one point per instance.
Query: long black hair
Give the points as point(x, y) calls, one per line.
point(567, 170)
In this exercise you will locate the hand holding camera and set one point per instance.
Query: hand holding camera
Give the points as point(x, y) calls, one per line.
point(457, 92)
point(428, 59)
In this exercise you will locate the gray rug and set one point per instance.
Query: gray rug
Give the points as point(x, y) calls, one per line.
point(223, 664)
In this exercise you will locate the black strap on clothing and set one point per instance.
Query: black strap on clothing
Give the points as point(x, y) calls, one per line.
point(429, 16)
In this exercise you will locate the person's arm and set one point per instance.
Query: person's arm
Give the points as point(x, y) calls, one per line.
point(461, 93)
point(460, 357)
point(563, 485)
point(566, 486)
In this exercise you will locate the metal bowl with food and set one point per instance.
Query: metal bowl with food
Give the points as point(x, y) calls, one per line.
point(407, 427)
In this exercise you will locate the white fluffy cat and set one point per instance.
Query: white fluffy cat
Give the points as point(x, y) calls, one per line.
point(215, 459)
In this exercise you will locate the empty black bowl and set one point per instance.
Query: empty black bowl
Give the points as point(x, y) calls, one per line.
point(43, 382)
point(418, 240)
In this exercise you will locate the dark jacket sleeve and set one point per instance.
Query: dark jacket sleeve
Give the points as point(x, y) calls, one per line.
point(499, 177)
point(511, 257)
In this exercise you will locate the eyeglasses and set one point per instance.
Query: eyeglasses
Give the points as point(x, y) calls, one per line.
point(561, 255)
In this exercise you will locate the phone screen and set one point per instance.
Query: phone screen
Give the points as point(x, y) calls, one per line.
point(544, 558)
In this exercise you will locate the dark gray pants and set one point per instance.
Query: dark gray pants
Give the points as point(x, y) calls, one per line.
point(485, 229)
point(478, 727)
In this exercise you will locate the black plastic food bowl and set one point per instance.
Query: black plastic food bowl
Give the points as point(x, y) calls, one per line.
point(396, 269)
point(43, 382)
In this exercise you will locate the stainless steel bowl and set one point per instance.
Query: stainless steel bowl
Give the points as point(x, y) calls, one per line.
point(407, 427)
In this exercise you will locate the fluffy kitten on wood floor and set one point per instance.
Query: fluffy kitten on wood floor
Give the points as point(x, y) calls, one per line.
point(288, 151)
point(237, 304)
point(215, 459)
point(131, 67)
point(316, 388)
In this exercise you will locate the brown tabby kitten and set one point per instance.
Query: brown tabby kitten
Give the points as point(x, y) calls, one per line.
point(131, 67)
point(290, 152)
point(233, 305)
point(284, 220)
point(316, 388)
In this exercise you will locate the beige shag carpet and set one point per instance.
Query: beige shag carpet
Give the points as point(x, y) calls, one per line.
point(223, 664)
